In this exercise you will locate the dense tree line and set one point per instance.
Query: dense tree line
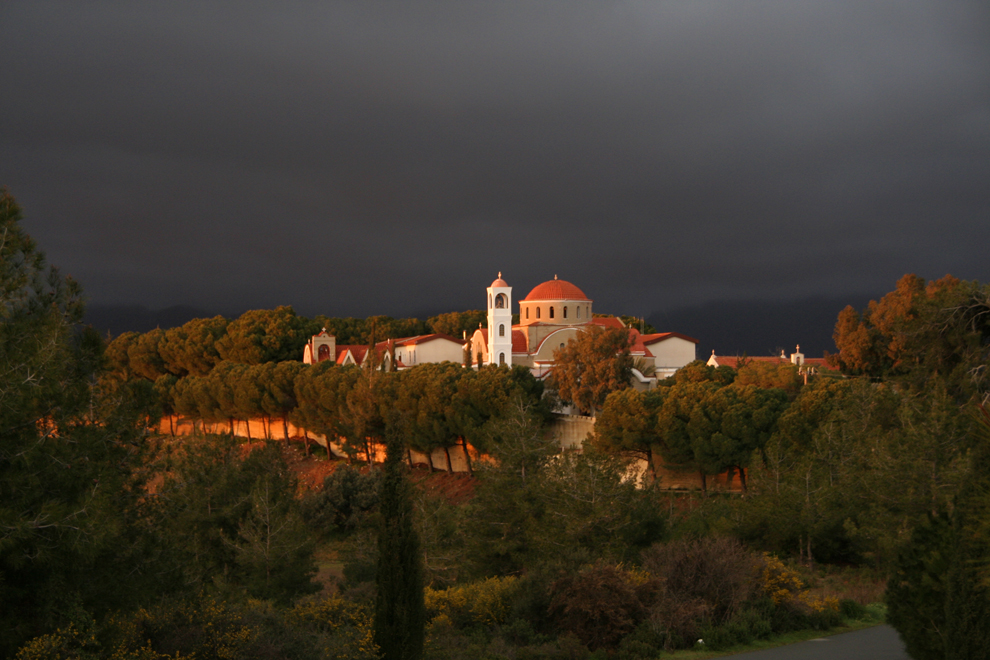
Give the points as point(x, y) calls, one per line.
point(436, 406)
point(257, 337)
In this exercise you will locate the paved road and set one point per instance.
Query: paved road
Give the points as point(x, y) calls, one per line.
point(877, 643)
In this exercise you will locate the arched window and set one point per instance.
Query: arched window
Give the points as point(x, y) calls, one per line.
point(537, 312)
point(489, 301)
point(551, 312)
point(323, 353)
point(501, 358)
point(500, 301)
point(579, 312)
point(565, 311)
point(527, 312)
point(501, 330)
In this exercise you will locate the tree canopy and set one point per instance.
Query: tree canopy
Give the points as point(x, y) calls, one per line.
point(67, 451)
point(266, 335)
point(591, 366)
point(941, 327)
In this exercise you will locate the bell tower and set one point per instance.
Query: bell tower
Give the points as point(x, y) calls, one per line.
point(500, 322)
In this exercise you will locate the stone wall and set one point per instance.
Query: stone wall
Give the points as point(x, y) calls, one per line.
point(571, 430)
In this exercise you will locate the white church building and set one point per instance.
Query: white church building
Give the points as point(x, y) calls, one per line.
point(552, 314)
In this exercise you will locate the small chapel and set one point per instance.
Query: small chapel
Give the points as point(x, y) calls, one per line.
point(551, 315)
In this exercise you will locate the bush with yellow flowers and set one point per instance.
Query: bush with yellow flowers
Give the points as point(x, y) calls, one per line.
point(206, 628)
point(68, 643)
point(345, 628)
point(780, 583)
point(485, 603)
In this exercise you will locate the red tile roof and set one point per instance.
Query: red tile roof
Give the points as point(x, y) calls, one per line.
point(661, 336)
point(608, 322)
point(422, 339)
point(418, 339)
point(636, 346)
point(344, 349)
point(556, 290)
point(734, 360)
point(518, 341)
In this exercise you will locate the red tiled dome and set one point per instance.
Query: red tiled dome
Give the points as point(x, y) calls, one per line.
point(499, 282)
point(556, 290)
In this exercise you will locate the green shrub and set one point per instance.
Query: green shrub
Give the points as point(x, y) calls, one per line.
point(876, 612)
point(823, 619)
point(641, 644)
point(345, 501)
point(519, 632)
point(531, 602)
point(632, 649)
point(850, 609)
point(746, 627)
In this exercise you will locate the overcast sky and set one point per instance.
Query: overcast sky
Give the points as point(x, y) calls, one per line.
point(391, 158)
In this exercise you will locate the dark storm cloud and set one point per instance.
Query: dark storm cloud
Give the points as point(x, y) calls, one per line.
point(357, 158)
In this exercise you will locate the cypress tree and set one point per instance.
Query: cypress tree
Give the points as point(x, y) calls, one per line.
point(400, 615)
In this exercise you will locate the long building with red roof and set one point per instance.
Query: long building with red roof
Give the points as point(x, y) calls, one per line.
point(408, 351)
point(805, 365)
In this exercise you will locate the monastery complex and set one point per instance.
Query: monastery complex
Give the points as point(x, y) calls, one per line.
point(551, 315)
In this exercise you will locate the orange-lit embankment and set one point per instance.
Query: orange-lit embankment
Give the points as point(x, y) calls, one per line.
point(571, 430)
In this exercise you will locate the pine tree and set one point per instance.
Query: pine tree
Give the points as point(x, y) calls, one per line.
point(69, 444)
point(400, 615)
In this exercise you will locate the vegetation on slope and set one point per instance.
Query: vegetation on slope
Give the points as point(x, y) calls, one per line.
point(115, 544)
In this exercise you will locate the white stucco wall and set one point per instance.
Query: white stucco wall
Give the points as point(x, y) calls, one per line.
point(672, 353)
point(435, 350)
